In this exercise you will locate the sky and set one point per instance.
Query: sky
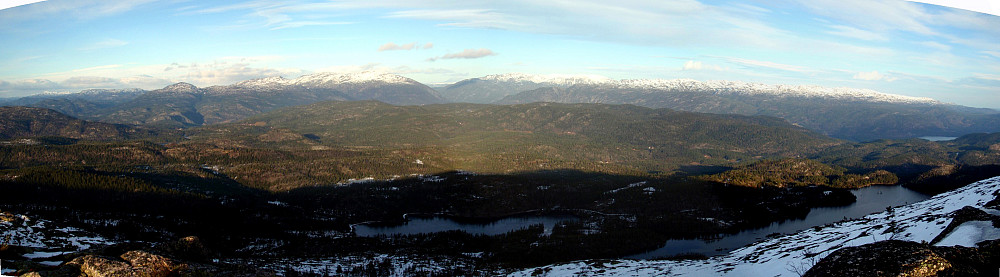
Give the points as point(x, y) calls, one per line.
point(897, 47)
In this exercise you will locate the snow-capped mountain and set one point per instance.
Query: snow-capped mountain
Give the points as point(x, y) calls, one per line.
point(327, 79)
point(181, 87)
point(785, 255)
point(187, 105)
point(847, 113)
point(366, 85)
point(269, 83)
point(503, 85)
point(746, 88)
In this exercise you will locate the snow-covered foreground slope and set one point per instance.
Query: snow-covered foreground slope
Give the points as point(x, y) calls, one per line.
point(45, 238)
point(44, 234)
point(791, 255)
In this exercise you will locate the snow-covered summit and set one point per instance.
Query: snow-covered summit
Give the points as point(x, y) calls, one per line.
point(332, 79)
point(268, 83)
point(180, 87)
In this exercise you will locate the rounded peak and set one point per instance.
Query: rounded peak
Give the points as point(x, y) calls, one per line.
point(181, 87)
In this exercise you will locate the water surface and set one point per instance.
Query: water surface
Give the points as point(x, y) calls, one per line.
point(426, 225)
point(937, 138)
point(869, 200)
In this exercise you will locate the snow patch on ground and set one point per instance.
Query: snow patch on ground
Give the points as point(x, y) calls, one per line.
point(44, 234)
point(42, 255)
point(969, 233)
point(632, 185)
point(792, 254)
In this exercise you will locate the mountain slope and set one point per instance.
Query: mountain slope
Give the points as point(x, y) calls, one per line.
point(854, 114)
point(82, 104)
point(492, 88)
point(172, 105)
point(17, 122)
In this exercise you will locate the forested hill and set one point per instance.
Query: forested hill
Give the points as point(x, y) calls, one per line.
point(538, 136)
point(16, 122)
point(478, 126)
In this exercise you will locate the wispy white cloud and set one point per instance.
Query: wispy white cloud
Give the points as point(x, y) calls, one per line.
point(475, 18)
point(97, 68)
point(428, 45)
point(768, 65)
point(466, 54)
point(392, 46)
point(277, 15)
point(698, 65)
point(936, 45)
point(77, 9)
point(873, 76)
point(984, 76)
point(886, 16)
point(851, 32)
point(995, 54)
point(296, 24)
point(872, 15)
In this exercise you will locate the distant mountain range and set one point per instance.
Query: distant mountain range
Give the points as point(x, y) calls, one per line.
point(846, 113)
point(183, 104)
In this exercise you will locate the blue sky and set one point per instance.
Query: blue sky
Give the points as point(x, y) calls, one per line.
point(891, 46)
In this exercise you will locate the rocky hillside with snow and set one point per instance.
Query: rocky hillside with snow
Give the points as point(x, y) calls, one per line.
point(935, 221)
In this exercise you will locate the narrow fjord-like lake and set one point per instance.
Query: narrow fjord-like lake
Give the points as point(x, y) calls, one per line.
point(869, 200)
point(426, 225)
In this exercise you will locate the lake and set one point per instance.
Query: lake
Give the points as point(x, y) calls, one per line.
point(936, 138)
point(869, 200)
point(425, 225)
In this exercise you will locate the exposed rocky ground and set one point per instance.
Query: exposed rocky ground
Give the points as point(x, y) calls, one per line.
point(907, 258)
